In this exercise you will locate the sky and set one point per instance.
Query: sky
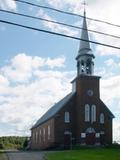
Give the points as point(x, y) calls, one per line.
point(36, 68)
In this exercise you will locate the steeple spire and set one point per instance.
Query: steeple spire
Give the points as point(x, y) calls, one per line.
point(84, 45)
point(85, 64)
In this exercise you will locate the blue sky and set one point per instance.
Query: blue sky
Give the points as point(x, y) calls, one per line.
point(36, 68)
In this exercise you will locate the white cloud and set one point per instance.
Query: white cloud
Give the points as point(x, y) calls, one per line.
point(111, 63)
point(8, 4)
point(21, 104)
point(55, 27)
point(110, 88)
point(25, 65)
point(103, 10)
point(72, 5)
point(116, 133)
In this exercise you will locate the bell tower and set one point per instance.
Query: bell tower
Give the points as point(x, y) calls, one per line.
point(85, 64)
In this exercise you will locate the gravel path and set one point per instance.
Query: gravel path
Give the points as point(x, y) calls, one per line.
point(26, 155)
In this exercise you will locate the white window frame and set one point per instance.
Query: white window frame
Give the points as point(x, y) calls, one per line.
point(87, 113)
point(93, 113)
point(67, 117)
point(102, 118)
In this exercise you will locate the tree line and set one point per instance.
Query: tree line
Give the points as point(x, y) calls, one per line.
point(13, 142)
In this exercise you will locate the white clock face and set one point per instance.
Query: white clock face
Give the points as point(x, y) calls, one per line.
point(90, 92)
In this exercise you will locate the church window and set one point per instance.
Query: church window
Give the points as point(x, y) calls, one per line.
point(78, 64)
point(44, 134)
point(82, 63)
point(74, 86)
point(102, 118)
point(93, 113)
point(67, 117)
point(87, 113)
point(82, 66)
point(88, 66)
point(48, 132)
point(40, 134)
point(36, 137)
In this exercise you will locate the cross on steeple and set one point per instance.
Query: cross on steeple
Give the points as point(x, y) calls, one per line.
point(84, 4)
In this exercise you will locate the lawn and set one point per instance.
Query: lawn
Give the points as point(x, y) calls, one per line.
point(86, 154)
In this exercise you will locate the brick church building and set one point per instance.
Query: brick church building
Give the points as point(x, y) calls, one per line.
point(80, 118)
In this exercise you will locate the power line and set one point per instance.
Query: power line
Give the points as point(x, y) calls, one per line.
point(65, 12)
point(61, 23)
point(56, 33)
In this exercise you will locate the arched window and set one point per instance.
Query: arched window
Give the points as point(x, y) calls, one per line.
point(67, 117)
point(82, 66)
point(87, 113)
point(102, 118)
point(82, 63)
point(93, 113)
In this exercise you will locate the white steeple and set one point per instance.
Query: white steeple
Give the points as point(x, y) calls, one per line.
point(85, 65)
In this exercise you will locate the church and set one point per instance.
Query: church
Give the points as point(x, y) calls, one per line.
point(81, 117)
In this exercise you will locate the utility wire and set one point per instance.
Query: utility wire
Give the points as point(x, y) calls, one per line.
point(56, 33)
point(65, 12)
point(55, 22)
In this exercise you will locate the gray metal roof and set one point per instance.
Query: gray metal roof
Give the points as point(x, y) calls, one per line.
point(53, 110)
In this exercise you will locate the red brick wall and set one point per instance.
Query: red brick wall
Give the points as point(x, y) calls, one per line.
point(43, 141)
point(76, 108)
point(61, 126)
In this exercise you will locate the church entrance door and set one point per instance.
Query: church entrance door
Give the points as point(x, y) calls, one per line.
point(90, 138)
point(67, 140)
point(102, 139)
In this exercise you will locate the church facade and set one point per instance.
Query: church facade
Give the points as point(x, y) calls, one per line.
point(80, 118)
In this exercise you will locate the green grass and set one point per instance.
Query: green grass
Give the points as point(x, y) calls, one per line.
point(86, 154)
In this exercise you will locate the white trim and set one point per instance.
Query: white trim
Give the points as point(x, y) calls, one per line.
point(83, 135)
point(97, 135)
point(90, 130)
